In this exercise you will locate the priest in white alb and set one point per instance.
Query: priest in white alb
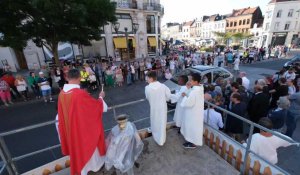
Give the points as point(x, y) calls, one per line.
point(192, 120)
point(177, 98)
point(157, 94)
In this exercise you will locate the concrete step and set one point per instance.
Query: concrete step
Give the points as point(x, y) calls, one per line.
point(173, 159)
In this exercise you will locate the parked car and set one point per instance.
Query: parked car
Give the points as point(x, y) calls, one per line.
point(209, 72)
point(294, 60)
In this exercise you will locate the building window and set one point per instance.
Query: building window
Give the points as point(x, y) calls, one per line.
point(269, 14)
point(240, 22)
point(231, 24)
point(278, 15)
point(227, 24)
point(267, 26)
point(296, 25)
point(244, 22)
point(287, 26)
point(248, 21)
point(235, 23)
point(150, 24)
point(290, 14)
point(123, 16)
point(276, 27)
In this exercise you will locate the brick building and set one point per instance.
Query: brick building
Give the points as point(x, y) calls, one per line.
point(242, 20)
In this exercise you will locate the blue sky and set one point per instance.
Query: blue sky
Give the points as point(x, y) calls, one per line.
point(184, 10)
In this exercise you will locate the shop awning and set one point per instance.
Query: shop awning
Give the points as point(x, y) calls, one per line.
point(120, 43)
point(152, 41)
point(162, 41)
point(133, 42)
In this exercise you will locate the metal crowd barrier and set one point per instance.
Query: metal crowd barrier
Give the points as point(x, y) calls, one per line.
point(252, 125)
point(2, 168)
point(9, 161)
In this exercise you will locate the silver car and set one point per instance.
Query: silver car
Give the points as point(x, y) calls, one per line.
point(209, 74)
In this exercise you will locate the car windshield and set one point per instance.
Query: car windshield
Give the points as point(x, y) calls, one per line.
point(296, 58)
point(186, 72)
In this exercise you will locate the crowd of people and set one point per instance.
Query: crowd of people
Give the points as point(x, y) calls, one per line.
point(14, 87)
point(116, 74)
point(273, 102)
point(270, 105)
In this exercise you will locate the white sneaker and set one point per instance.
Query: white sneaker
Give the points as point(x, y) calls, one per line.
point(149, 130)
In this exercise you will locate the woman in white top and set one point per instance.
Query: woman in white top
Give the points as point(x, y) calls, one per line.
point(265, 144)
point(21, 85)
point(292, 88)
point(236, 65)
point(168, 74)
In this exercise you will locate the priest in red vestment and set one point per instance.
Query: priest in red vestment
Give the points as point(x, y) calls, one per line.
point(80, 126)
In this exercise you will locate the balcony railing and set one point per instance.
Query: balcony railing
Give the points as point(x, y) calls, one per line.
point(153, 7)
point(126, 5)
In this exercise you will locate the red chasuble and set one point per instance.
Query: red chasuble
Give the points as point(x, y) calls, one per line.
point(80, 127)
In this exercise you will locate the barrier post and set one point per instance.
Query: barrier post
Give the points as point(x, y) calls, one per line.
point(208, 108)
point(5, 156)
point(247, 149)
point(114, 111)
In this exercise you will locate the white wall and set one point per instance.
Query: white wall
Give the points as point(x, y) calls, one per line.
point(125, 23)
point(97, 48)
point(208, 28)
point(186, 32)
point(34, 55)
point(7, 53)
point(271, 19)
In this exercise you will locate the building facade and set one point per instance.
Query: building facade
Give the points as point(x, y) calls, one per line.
point(188, 30)
point(282, 23)
point(257, 36)
point(242, 20)
point(212, 24)
point(199, 23)
point(172, 31)
point(143, 42)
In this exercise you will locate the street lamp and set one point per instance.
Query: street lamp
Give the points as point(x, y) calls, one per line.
point(127, 43)
point(135, 27)
point(116, 26)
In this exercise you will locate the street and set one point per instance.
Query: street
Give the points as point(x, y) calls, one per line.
point(34, 112)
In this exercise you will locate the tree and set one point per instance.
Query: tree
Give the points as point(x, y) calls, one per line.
point(12, 14)
point(241, 36)
point(224, 36)
point(49, 22)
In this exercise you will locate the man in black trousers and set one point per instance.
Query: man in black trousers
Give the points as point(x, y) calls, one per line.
point(258, 106)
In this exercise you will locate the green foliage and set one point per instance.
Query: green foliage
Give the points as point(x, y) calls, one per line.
point(221, 46)
point(206, 49)
point(241, 36)
point(12, 15)
point(224, 36)
point(48, 22)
